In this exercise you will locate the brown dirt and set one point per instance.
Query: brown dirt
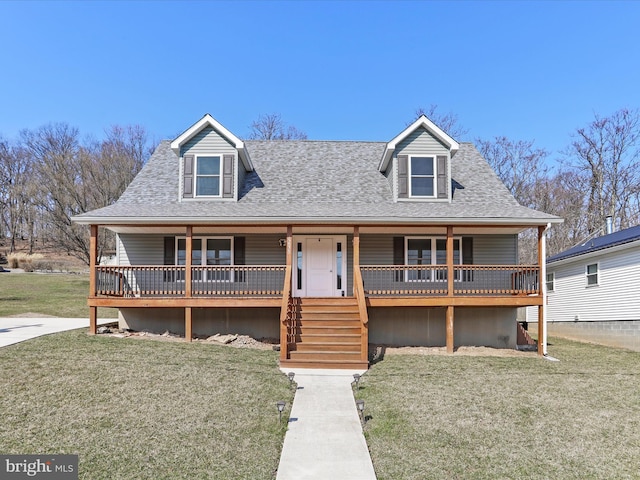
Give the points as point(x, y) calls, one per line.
point(460, 351)
point(243, 341)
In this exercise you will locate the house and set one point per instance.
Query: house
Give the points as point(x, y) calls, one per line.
point(325, 245)
point(594, 290)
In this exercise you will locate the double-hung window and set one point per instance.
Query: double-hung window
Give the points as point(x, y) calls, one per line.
point(206, 252)
point(208, 176)
point(423, 173)
point(551, 281)
point(431, 252)
point(592, 274)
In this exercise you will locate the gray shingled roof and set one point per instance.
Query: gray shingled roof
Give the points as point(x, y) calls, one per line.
point(316, 181)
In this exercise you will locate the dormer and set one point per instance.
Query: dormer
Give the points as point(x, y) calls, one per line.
point(418, 162)
point(213, 161)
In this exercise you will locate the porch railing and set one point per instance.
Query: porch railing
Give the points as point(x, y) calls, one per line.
point(405, 280)
point(238, 280)
point(268, 280)
point(431, 280)
point(140, 281)
point(169, 281)
point(497, 280)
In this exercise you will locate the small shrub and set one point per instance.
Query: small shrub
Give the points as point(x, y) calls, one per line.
point(24, 261)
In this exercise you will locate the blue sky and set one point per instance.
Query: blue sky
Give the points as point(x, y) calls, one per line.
point(336, 70)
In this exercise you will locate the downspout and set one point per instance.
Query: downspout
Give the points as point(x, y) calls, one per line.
point(543, 284)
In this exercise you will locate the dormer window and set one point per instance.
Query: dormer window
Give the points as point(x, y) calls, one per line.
point(208, 176)
point(422, 167)
point(422, 171)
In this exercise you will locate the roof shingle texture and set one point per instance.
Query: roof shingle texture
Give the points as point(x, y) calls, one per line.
point(316, 180)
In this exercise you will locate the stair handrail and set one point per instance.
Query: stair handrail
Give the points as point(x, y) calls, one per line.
point(358, 290)
point(284, 314)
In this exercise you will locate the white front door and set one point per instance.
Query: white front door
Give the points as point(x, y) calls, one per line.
point(321, 266)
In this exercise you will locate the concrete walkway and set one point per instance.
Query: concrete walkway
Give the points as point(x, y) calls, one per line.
point(324, 439)
point(18, 329)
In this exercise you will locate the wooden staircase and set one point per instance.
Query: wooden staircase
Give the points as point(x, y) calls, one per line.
point(327, 334)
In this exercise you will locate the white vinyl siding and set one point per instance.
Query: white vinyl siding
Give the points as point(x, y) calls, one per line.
point(617, 296)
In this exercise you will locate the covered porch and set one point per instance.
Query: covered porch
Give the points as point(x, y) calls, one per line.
point(447, 284)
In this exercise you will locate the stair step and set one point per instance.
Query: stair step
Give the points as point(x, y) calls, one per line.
point(330, 316)
point(329, 322)
point(327, 334)
point(303, 346)
point(328, 337)
point(323, 355)
point(340, 329)
point(329, 308)
point(351, 364)
point(328, 301)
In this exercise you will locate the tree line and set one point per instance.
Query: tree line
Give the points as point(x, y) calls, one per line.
point(597, 175)
point(49, 174)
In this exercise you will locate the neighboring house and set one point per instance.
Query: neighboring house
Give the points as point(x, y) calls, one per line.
point(325, 245)
point(594, 290)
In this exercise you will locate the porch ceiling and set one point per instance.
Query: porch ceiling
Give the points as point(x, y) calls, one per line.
point(322, 229)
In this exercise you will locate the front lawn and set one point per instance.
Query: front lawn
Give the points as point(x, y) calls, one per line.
point(435, 417)
point(143, 409)
point(60, 295)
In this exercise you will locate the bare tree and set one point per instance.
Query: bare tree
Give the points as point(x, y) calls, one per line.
point(519, 164)
point(15, 193)
point(606, 152)
point(448, 122)
point(74, 178)
point(272, 127)
point(563, 195)
point(521, 167)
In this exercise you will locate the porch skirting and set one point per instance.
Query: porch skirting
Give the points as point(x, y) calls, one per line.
point(425, 327)
point(392, 326)
point(257, 323)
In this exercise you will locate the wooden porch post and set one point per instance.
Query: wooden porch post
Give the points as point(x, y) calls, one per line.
point(450, 286)
point(187, 267)
point(286, 293)
point(188, 324)
point(188, 321)
point(450, 344)
point(542, 290)
point(93, 256)
point(360, 297)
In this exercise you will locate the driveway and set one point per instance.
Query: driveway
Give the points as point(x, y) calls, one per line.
point(18, 329)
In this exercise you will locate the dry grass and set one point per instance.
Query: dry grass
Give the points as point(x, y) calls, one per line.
point(23, 260)
point(486, 417)
point(60, 295)
point(143, 410)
